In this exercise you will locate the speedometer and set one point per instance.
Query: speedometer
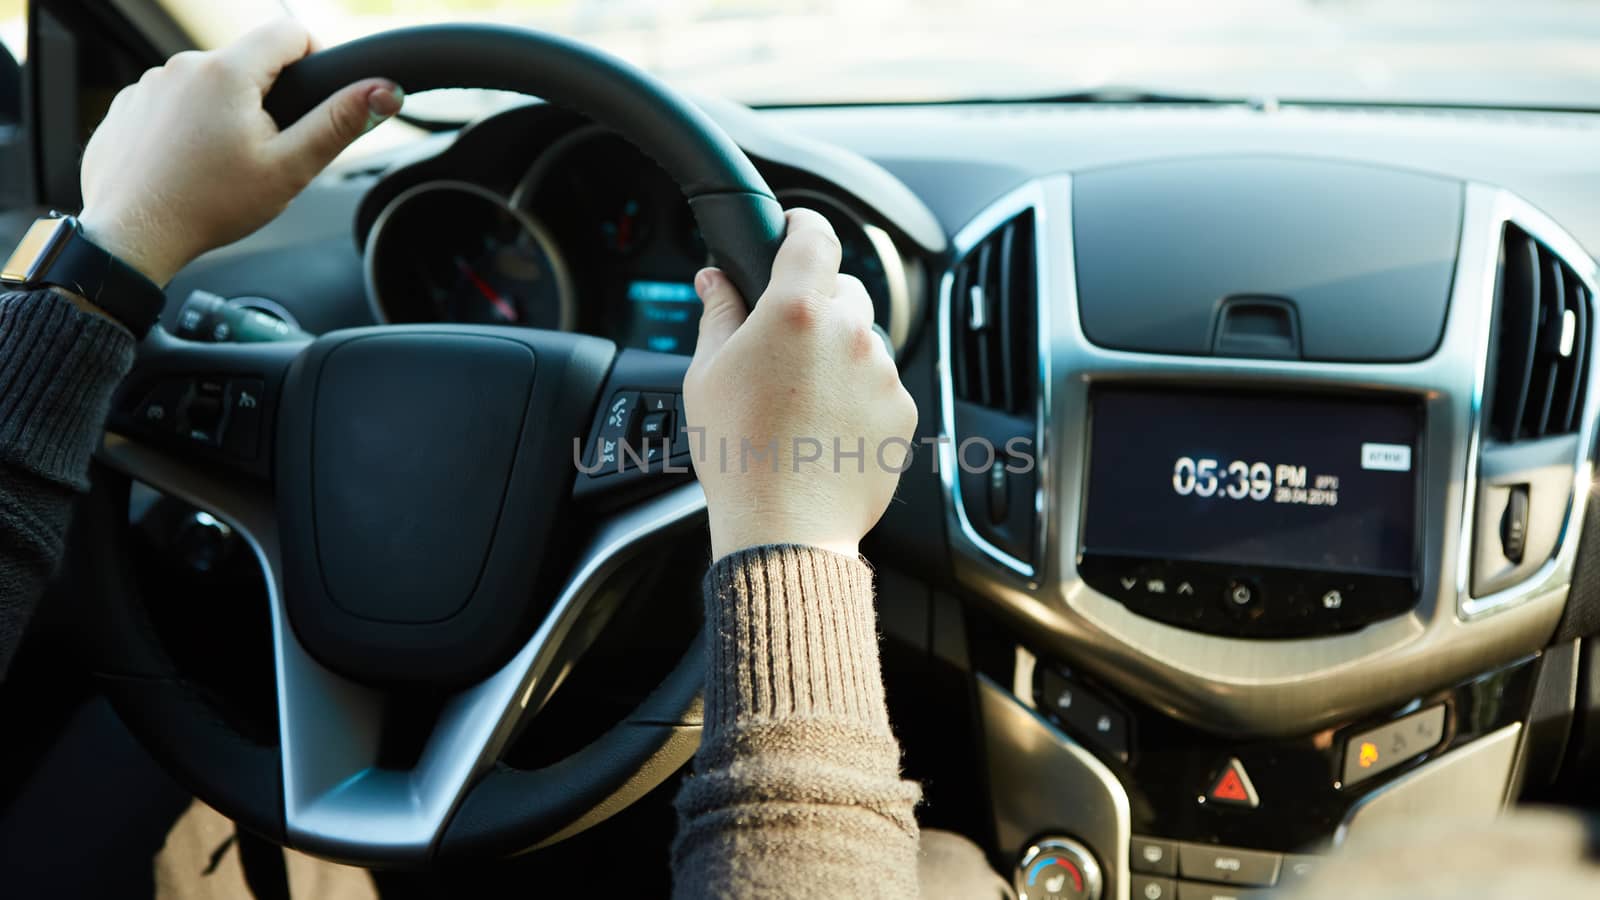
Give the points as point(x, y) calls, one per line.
point(452, 251)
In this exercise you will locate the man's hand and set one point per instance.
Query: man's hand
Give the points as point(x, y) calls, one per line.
point(188, 160)
point(803, 374)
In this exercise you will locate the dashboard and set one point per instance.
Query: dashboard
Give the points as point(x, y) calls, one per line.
point(1307, 393)
point(590, 236)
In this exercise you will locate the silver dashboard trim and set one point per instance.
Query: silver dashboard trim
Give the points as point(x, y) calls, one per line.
point(558, 265)
point(337, 802)
point(1468, 784)
point(1557, 572)
point(1270, 687)
point(1029, 197)
point(1043, 783)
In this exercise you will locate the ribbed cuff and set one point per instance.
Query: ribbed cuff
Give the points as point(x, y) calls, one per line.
point(793, 633)
point(59, 367)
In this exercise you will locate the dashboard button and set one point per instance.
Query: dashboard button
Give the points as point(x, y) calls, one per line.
point(1297, 870)
point(1227, 864)
point(1232, 787)
point(1382, 748)
point(1189, 890)
point(1154, 856)
point(1088, 716)
point(1057, 868)
point(1243, 598)
point(1149, 887)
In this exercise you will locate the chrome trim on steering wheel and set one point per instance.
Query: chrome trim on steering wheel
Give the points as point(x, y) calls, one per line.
point(337, 801)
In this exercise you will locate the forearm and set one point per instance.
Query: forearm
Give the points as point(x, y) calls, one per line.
point(796, 788)
point(59, 365)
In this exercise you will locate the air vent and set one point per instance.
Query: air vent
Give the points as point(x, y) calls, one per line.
point(993, 321)
point(1544, 313)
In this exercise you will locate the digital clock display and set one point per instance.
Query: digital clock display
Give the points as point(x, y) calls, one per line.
point(1306, 482)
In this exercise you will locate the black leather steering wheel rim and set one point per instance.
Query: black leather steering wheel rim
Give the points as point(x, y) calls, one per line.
point(504, 810)
point(740, 218)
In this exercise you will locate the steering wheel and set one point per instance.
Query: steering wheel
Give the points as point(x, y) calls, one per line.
point(407, 491)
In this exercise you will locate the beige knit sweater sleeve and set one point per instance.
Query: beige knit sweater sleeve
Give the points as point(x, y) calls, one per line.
point(796, 789)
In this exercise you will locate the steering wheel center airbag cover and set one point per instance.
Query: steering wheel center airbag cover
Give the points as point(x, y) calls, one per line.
point(430, 464)
point(414, 439)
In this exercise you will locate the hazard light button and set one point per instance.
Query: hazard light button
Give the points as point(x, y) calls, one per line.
point(1232, 787)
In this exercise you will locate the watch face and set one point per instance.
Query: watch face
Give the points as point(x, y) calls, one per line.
point(37, 249)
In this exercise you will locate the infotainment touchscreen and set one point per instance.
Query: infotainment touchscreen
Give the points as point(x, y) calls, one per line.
point(1253, 513)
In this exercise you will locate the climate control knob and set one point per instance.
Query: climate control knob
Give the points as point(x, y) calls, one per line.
point(1057, 868)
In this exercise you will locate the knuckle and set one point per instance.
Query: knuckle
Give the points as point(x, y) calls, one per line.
point(212, 65)
point(802, 312)
point(863, 341)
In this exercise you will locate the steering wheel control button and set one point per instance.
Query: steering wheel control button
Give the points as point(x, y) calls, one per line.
point(1228, 865)
point(656, 427)
point(1232, 787)
point(657, 403)
point(201, 415)
point(1057, 869)
point(1146, 887)
point(616, 428)
point(242, 434)
point(1153, 856)
point(1382, 748)
point(1084, 714)
point(158, 413)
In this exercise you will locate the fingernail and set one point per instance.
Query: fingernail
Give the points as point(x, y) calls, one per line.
point(704, 281)
point(382, 104)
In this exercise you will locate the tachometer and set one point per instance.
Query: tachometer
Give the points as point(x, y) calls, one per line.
point(453, 251)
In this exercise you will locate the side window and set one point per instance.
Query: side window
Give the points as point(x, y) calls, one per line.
point(13, 51)
point(16, 166)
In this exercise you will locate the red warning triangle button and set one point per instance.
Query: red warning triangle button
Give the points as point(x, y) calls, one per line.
point(1233, 787)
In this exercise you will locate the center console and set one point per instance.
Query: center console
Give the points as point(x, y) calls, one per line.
point(1252, 514)
point(1312, 456)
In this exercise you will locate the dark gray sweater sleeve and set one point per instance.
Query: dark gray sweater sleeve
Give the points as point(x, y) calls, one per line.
point(58, 368)
point(796, 790)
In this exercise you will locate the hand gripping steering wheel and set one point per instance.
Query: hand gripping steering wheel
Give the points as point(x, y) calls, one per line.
point(405, 489)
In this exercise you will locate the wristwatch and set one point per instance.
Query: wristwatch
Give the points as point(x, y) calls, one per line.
point(56, 253)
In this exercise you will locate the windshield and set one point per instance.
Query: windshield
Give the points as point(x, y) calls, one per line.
point(1517, 53)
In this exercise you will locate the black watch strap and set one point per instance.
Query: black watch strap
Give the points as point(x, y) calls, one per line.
point(68, 259)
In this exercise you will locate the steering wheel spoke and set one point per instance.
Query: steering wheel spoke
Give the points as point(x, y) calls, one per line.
point(342, 800)
point(345, 793)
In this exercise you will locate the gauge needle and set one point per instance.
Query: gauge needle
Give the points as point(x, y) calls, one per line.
point(505, 309)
